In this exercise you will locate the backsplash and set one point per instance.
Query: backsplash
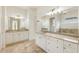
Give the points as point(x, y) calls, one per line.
point(71, 32)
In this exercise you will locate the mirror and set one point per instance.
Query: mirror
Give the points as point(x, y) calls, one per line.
point(45, 26)
point(65, 23)
point(14, 24)
point(69, 22)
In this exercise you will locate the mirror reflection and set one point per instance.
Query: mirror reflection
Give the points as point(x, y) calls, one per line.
point(14, 24)
point(65, 23)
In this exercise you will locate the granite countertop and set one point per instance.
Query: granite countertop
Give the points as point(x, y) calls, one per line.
point(64, 37)
point(21, 30)
point(61, 36)
point(65, 34)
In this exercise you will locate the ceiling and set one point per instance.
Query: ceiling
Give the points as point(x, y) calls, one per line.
point(26, 7)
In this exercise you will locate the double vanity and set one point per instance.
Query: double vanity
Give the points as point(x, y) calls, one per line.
point(61, 32)
point(56, 43)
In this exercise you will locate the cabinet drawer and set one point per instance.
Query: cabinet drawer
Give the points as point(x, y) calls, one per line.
point(60, 46)
point(70, 47)
point(52, 45)
point(52, 49)
point(52, 41)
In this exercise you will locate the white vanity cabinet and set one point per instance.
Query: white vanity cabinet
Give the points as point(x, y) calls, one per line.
point(13, 37)
point(54, 45)
point(69, 47)
point(8, 37)
point(41, 41)
point(23, 35)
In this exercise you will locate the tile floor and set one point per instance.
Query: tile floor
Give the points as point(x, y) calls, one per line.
point(23, 47)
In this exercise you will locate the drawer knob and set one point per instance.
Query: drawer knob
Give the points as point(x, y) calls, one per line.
point(57, 40)
point(57, 46)
point(39, 37)
point(48, 49)
point(69, 44)
point(64, 47)
point(48, 43)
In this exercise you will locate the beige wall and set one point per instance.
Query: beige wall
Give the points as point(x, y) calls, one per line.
point(32, 16)
point(2, 27)
point(78, 17)
point(43, 10)
point(0, 19)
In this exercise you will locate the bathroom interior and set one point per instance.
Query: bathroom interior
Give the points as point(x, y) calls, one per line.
point(39, 29)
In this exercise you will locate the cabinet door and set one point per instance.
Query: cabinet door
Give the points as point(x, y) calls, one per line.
point(15, 37)
point(78, 48)
point(26, 35)
point(38, 40)
point(70, 47)
point(41, 41)
point(51, 45)
point(22, 36)
point(8, 37)
point(60, 46)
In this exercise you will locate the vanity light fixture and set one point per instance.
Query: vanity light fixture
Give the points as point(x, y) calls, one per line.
point(17, 17)
point(55, 11)
point(59, 10)
point(51, 12)
point(38, 21)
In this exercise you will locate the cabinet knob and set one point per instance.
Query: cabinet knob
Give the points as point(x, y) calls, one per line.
point(48, 43)
point(57, 40)
point(64, 47)
point(48, 49)
point(69, 44)
point(39, 37)
point(57, 46)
